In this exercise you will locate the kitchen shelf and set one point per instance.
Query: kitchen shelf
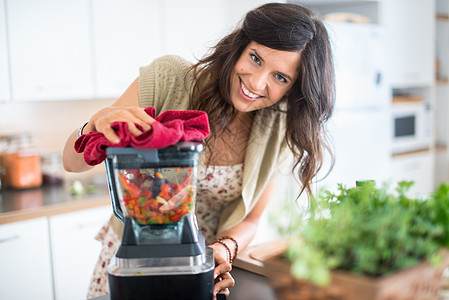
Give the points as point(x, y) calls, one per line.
point(418, 151)
point(441, 147)
point(442, 81)
point(442, 16)
point(407, 99)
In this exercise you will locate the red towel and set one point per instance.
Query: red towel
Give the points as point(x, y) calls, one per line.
point(169, 128)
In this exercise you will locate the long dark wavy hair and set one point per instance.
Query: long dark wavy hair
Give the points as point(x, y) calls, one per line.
point(310, 103)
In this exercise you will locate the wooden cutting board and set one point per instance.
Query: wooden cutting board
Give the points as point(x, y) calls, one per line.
point(252, 258)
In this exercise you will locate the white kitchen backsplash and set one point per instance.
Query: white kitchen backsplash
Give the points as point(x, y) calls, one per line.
point(49, 122)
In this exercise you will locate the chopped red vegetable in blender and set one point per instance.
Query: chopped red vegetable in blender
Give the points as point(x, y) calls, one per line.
point(173, 201)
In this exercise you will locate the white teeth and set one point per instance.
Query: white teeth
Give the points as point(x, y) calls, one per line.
point(246, 92)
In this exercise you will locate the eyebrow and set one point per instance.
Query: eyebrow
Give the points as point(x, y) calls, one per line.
point(280, 73)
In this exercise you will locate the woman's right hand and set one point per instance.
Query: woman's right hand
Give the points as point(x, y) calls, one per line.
point(133, 115)
point(126, 108)
point(222, 276)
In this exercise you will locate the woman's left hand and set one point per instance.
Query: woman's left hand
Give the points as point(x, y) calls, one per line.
point(222, 278)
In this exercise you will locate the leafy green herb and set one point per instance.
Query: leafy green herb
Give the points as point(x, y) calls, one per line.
point(367, 230)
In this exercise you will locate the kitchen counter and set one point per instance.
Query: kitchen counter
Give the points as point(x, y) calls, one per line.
point(252, 286)
point(248, 286)
point(48, 200)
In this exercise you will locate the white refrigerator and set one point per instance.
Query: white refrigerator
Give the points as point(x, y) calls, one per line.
point(360, 129)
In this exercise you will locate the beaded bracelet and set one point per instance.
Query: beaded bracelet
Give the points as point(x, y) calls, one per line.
point(227, 249)
point(235, 242)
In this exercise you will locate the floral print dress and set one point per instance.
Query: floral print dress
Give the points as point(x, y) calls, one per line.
point(217, 187)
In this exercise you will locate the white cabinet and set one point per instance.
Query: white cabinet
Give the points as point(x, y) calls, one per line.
point(126, 35)
point(50, 258)
point(417, 167)
point(25, 260)
point(191, 27)
point(410, 42)
point(5, 93)
point(75, 250)
point(84, 49)
point(50, 49)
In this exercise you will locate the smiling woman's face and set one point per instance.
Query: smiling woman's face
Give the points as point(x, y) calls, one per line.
point(262, 76)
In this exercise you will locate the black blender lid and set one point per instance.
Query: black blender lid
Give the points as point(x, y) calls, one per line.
point(179, 147)
point(182, 154)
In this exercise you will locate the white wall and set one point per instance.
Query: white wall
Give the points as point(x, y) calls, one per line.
point(49, 122)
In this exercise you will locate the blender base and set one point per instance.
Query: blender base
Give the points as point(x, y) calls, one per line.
point(162, 287)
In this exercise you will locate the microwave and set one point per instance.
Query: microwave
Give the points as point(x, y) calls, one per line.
point(412, 126)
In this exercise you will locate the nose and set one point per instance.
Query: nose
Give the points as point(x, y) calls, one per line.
point(259, 81)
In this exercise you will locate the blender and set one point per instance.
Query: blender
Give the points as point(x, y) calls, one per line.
point(163, 254)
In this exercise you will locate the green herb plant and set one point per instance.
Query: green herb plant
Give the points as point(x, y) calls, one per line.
point(368, 230)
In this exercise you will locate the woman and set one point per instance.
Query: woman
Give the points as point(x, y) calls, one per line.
point(268, 89)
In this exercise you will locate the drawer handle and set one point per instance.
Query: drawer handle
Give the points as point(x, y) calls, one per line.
point(9, 239)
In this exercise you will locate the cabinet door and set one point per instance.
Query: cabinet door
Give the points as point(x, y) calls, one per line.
point(127, 35)
point(410, 42)
point(5, 93)
point(191, 27)
point(25, 260)
point(75, 250)
point(50, 49)
point(417, 167)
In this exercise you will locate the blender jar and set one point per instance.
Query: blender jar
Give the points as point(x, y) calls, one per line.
point(156, 186)
point(156, 196)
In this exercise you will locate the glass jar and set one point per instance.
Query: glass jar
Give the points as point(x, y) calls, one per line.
point(52, 170)
point(22, 162)
point(4, 141)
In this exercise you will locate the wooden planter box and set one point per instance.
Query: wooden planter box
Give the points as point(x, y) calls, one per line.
point(419, 282)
